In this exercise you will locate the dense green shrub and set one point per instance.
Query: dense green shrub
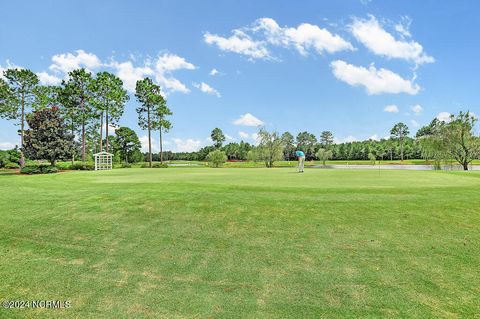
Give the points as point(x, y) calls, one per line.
point(12, 166)
point(39, 169)
point(10, 156)
point(87, 166)
point(216, 158)
point(126, 165)
point(155, 165)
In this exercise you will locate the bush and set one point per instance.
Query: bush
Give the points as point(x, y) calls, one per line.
point(12, 166)
point(126, 165)
point(154, 165)
point(39, 169)
point(9, 157)
point(87, 166)
point(216, 158)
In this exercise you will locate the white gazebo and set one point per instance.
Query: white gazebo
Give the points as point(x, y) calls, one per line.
point(103, 161)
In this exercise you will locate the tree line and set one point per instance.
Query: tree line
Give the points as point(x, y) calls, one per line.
point(68, 120)
point(440, 141)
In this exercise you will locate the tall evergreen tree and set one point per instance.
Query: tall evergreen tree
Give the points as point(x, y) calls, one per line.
point(76, 96)
point(217, 137)
point(150, 97)
point(160, 122)
point(109, 98)
point(22, 84)
point(399, 132)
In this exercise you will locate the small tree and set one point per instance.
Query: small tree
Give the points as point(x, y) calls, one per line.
point(217, 137)
point(462, 145)
point(253, 155)
point(216, 158)
point(400, 132)
point(47, 137)
point(324, 155)
point(127, 141)
point(289, 143)
point(270, 147)
point(372, 158)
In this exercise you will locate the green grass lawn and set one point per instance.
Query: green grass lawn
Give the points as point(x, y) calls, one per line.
point(247, 243)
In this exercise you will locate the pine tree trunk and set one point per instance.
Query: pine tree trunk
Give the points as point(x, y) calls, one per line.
point(106, 130)
point(83, 130)
point(73, 148)
point(149, 139)
point(22, 126)
point(101, 132)
point(161, 146)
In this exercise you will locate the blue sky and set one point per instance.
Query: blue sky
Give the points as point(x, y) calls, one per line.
point(355, 67)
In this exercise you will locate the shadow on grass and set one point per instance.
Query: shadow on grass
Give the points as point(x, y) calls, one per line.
point(9, 172)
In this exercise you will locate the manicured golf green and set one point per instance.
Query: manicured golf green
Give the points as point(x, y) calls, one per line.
point(246, 243)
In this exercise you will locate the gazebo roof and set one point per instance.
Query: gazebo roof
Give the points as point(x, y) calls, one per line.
point(102, 153)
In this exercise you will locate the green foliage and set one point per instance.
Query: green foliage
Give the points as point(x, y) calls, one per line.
point(39, 169)
point(76, 97)
point(4, 158)
point(47, 138)
point(289, 146)
point(45, 96)
point(109, 98)
point(254, 156)
point(11, 165)
point(127, 142)
point(126, 165)
point(217, 137)
point(216, 158)
point(399, 132)
point(83, 166)
point(270, 147)
point(326, 139)
point(324, 155)
point(372, 158)
point(306, 142)
point(154, 165)
point(150, 96)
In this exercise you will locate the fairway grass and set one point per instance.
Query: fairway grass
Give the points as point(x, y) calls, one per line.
point(246, 243)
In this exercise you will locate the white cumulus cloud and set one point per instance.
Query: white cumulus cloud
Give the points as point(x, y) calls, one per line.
point(239, 42)
point(256, 40)
point(130, 74)
point(7, 145)
point(160, 69)
point(187, 145)
point(248, 119)
point(304, 37)
point(417, 109)
point(392, 108)
point(243, 134)
point(444, 116)
point(371, 34)
point(205, 88)
point(48, 79)
point(67, 62)
point(214, 72)
point(375, 81)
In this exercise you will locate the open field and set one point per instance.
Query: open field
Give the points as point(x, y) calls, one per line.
point(260, 243)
